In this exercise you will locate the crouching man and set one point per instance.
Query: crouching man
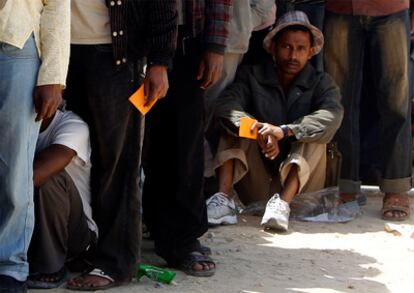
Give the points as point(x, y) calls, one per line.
point(298, 110)
point(63, 220)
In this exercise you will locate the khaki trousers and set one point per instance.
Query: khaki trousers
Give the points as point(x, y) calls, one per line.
point(255, 180)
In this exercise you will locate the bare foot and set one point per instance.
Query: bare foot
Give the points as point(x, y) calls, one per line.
point(96, 280)
point(396, 207)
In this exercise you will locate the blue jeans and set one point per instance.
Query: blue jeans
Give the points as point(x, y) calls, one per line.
point(18, 132)
point(384, 40)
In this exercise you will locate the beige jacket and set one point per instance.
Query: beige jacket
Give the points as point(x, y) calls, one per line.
point(49, 21)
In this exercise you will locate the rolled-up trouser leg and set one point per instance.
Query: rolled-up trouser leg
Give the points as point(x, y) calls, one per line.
point(310, 158)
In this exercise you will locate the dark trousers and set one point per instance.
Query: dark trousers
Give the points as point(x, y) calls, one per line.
point(61, 228)
point(99, 94)
point(384, 42)
point(174, 207)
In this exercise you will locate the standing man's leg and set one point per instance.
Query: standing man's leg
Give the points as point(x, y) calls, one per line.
point(344, 52)
point(18, 132)
point(99, 93)
point(174, 205)
point(389, 42)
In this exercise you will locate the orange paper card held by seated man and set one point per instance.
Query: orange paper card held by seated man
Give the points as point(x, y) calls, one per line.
point(246, 124)
point(138, 100)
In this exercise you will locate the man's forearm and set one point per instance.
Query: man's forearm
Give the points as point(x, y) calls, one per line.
point(51, 161)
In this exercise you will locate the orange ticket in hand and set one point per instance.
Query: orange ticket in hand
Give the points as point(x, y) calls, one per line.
point(246, 124)
point(138, 100)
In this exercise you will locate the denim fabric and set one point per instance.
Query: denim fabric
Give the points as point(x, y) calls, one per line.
point(99, 93)
point(316, 15)
point(18, 132)
point(384, 40)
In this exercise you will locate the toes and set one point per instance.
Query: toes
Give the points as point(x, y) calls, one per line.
point(198, 267)
point(399, 214)
point(204, 266)
point(395, 214)
point(211, 266)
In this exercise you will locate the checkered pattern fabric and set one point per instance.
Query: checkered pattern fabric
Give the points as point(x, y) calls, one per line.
point(295, 18)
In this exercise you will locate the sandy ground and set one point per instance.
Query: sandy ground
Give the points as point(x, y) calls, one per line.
point(315, 258)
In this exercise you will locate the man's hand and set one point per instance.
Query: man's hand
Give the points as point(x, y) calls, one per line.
point(269, 146)
point(47, 99)
point(155, 83)
point(210, 69)
point(269, 135)
point(266, 129)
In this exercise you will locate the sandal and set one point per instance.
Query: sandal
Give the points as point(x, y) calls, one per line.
point(196, 257)
point(396, 202)
point(204, 250)
point(83, 285)
point(47, 281)
point(9, 284)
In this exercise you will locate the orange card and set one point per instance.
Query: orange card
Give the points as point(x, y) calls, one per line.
point(137, 99)
point(245, 126)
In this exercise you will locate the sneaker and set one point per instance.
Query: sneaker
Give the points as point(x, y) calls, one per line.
point(277, 213)
point(221, 210)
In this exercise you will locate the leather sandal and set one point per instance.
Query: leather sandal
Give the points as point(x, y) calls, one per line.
point(396, 202)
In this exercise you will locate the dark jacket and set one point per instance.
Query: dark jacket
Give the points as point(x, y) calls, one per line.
point(142, 28)
point(312, 108)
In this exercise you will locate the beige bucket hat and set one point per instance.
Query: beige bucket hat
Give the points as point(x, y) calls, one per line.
point(294, 18)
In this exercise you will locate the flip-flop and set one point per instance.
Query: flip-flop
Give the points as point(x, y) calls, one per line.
point(96, 273)
point(204, 250)
point(196, 257)
point(9, 284)
point(34, 281)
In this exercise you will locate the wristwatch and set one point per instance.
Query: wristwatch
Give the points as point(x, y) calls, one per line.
point(285, 130)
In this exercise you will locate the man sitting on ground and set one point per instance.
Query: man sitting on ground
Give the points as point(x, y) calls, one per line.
point(63, 218)
point(300, 112)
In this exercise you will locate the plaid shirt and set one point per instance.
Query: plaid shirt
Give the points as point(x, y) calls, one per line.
point(211, 18)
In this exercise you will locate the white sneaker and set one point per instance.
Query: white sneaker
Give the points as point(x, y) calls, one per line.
point(221, 210)
point(277, 213)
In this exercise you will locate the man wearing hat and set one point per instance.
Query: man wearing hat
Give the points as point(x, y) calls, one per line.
point(298, 112)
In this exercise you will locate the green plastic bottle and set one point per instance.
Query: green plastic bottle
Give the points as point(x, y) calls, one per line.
point(154, 273)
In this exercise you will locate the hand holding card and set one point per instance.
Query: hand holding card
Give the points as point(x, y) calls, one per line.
point(138, 100)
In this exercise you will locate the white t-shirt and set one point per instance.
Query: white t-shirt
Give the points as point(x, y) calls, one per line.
point(90, 23)
point(69, 130)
